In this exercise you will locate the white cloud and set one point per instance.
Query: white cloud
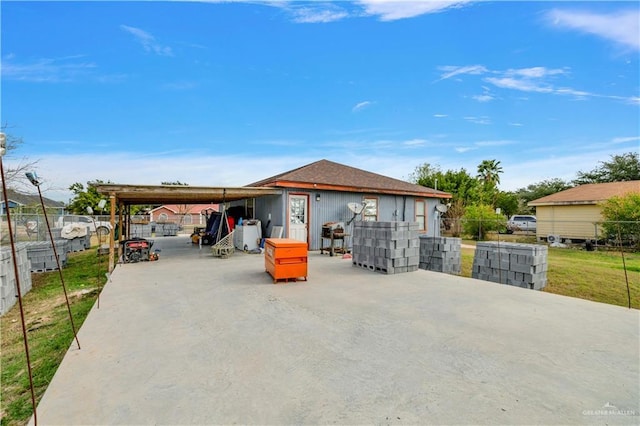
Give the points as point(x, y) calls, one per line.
point(481, 144)
point(361, 105)
point(623, 27)
point(494, 143)
point(486, 96)
point(483, 98)
point(147, 41)
point(464, 149)
point(525, 85)
point(415, 143)
point(478, 120)
point(197, 169)
point(385, 10)
point(47, 70)
point(391, 10)
point(452, 71)
point(309, 15)
point(60, 171)
point(536, 72)
point(531, 79)
point(625, 139)
point(516, 124)
point(440, 115)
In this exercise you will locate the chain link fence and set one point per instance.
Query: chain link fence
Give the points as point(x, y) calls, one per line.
point(574, 232)
point(33, 226)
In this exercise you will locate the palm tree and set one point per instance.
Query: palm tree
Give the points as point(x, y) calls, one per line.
point(489, 172)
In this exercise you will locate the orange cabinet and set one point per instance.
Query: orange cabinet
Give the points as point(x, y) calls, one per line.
point(285, 259)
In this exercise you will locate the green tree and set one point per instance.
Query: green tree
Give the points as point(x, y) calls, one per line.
point(508, 202)
point(480, 219)
point(463, 187)
point(85, 197)
point(539, 190)
point(459, 183)
point(620, 168)
point(489, 174)
point(622, 217)
point(542, 189)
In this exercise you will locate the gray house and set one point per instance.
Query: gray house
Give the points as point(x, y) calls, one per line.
point(319, 193)
point(21, 200)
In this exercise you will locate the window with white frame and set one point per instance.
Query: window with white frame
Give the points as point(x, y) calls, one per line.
point(370, 212)
point(421, 215)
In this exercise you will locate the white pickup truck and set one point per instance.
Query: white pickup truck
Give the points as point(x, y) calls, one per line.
point(97, 227)
point(526, 223)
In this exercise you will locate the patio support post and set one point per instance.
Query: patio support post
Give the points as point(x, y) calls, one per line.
point(112, 200)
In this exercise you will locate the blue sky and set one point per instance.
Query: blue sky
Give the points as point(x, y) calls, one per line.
point(227, 93)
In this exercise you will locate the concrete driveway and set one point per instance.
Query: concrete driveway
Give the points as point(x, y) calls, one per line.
point(193, 339)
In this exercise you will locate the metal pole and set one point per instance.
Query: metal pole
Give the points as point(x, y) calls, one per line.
point(624, 266)
point(112, 251)
point(55, 253)
point(19, 291)
point(93, 219)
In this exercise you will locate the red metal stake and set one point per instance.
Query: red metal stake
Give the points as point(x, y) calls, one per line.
point(15, 269)
point(55, 253)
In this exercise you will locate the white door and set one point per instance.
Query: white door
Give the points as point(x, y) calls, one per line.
point(298, 217)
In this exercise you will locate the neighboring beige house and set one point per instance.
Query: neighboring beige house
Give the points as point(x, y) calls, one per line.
point(574, 214)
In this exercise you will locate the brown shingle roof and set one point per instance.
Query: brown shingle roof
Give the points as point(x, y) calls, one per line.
point(592, 193)
point(327, 175)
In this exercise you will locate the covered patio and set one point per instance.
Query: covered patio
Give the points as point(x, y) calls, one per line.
point(122, 197)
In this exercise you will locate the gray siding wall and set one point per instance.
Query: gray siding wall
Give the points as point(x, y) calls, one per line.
point(332, 207)
point(270, 205)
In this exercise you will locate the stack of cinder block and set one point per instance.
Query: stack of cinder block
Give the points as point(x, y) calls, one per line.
point(386, 247)
point(80, 243)
point(74, 244)
point(42, 257)
point(521, 265)
point(8, 294)
point(440, 254)
point(140, 230)
point(167, 229)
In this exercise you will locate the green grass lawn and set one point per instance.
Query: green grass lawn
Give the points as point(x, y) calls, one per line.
point(593, 275)
point(49, 331)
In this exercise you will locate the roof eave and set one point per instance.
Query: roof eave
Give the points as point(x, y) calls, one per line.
point(564, 203)
point(345, 188)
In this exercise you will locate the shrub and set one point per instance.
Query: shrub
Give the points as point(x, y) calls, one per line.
point(622, 218)
point(480, 219)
